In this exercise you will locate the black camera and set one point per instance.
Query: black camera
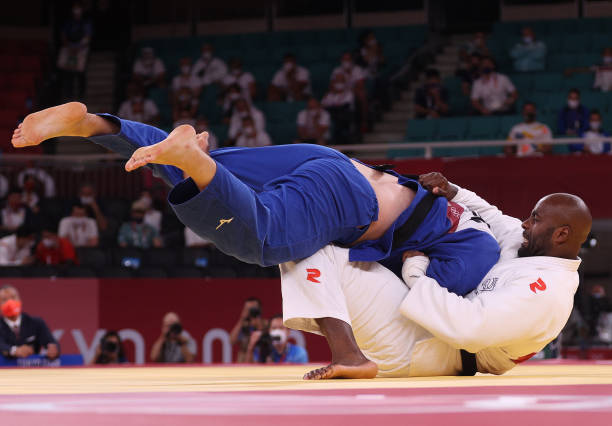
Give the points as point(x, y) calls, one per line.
point(264, 345)
point(254, 313)
point(175, 330)
point(110, 347)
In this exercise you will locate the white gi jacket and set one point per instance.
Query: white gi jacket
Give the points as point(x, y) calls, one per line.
point(520, 306)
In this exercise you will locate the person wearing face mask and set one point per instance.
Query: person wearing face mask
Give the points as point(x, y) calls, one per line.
point(594, 133)
point(250, 136)
point(15, 214)
point(87, 197)
point(148, 69)
point(152, 216)
point(273, 348)
point(54, 250)
point(339, 101)
point(208, 68)
point(238, 76)
point(370, 56)
point(431, 100)
point(137, 107)
point(493, 93)
point(16, 249)
point(185, 79)
point(529, 54)
point(574, 117)
point(243, 110)
point(110, 350)
point(185, 106)
point(603, 71)
point(290, 83)
point(530, 131)
point(136, 233)
point(232, 94)
point(22, 335)
point(355, 76)
point(78, 228)
point(313, 123)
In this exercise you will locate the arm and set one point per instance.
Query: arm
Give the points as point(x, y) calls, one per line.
point(46, 339)
point(156, 350)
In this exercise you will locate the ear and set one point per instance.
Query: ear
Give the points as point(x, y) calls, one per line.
point(561, 234)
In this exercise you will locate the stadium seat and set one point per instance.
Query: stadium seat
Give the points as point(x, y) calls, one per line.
point(578, 81)
point(121, 254)
point(78, 272)
point(186, 272)
point(117, 208)
point(422, 130)
point(595, 100)
point(161, 257)
point(150, 272)
point(11, 271)
point(282, 133)
point(197, 256)
point(547, 82)
point(115, 272)
point(483, 128)
point(452, 128)
point(576, 43)
point(506, 123)
point(92, 256)
point(40, 271)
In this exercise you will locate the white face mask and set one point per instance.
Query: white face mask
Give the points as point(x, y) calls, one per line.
point(48, 242)
point(607, 59)
point(595, 125)
point(278, 334)
point(87, 200)
point(573, 103)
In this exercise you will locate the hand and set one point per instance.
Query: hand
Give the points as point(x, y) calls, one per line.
point(415, 266)
point(247, 307)
point(255, 335)
point(438, 185)
point(52, 351)
point(24, 351)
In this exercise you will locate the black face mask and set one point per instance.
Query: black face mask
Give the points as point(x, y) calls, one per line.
point(530, 117)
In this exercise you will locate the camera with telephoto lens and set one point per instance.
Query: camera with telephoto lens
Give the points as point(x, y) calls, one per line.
point(265, 345)
point(246, 326)
point(175, 330)
point(110, 347)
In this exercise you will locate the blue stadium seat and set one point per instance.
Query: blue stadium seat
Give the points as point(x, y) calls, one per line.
point(484, 128)
point(576, 43)
point(547, 82)
point(581, 81)
point(506, 123)
point(422, 130)
point(595, 100)
point(451, 129)
point(524, 82)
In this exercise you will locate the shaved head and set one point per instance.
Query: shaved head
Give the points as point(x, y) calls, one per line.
point(559, 224)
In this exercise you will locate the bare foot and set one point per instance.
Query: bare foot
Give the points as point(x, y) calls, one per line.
point(178, 149)
point(62, 120)
point(366, 370)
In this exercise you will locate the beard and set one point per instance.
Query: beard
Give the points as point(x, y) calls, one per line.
point(538, 245)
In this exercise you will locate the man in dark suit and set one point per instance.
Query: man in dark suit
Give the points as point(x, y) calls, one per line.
point(22, 335)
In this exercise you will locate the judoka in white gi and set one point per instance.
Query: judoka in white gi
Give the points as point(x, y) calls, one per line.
point(378, 325)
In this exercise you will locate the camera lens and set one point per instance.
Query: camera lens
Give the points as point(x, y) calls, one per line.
point(110, 347)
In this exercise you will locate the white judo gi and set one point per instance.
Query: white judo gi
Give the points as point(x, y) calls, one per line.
point(521, 305)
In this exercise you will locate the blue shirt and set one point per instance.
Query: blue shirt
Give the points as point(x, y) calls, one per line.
point(293, 355)
point(529, 56)
point(573, 119)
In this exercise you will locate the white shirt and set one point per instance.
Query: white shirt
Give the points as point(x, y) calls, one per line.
point(603, 78)
point(209, 71)
point(302, 75)
point(42, 176)
point(150, 70)
point(192, 239)
point(154, 218)
point(492, 93)
point(13, 324)
point(189, 81)
point(333, 99)
point(10, 254)
point(595, 147)
point(79, 230)
point(306, 118)
point(235, 126)
point(244, 80)
point(529, 131)
point(13, 219)
point(352, 76)
point(261, 139)
point(148, 113)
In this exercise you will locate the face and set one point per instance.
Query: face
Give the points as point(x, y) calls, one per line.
point(347, 60)
point(169, 319)
point(8, 294)
point(573, 96)
point(538, 232)
point(207, 51)
point(486, 65)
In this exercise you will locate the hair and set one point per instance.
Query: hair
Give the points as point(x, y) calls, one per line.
point(8, 287)
point(533, 104)
point(595, 111)
point(276, 316)
point(574, 90)
point(254, 299)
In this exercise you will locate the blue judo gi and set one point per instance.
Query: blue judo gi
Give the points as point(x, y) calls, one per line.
point(282, 203)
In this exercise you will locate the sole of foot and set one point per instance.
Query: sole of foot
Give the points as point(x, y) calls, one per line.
point(366, 370)
point(61, 120)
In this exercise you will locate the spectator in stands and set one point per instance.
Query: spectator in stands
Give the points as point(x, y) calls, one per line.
point(110, 350)
point(185, 116)
point(598, 304)
point(273, 347)
point(370, 56)
point(42, 176)
point(339, 102)
point(313, 123)
point(185, 106)
point(249, 321)
point(208, 68)
point(470, 73)
point(595, 132)
point(72, 58)
point(243, 110)
point(137, 107)
point(152, 216)
point(201, 125)
point(493, 93)
point(15, 214)
point(22, 335)
point(174, 344)
point(87, 197)
point(250, 136)
point(16, 249)
point(354, 78)
point(477, 45)
point(530, 131)
point(136, 233)
point(185, 79)
point(529, 54)
point(245, 80)
point(78, 228)
point(54, 250)
point(29, 195)
point(431, 100)
point(574, 117)
point(290, 83)
point(233, 93)
point(603, 71)
point(149, 70)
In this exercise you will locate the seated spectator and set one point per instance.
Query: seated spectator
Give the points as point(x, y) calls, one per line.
point(250, 321)
point(530, 131)
point(185, 79)
point(16, 249)
point(431, 100)
point(291, 82)
point(138, 108)
point(29, 195)
point(72, 59)
point(174, 344)
point(598, 305)
point(201, 125)
point(208, 68)
point(574, 117)
point(22, 335)
point(594, 133)
point(370, 56)
point(529, 54)
point(243, 110)
point(603, 71)
point(54, 250)
point(493, 93)
point(185, 106)
point(477, 45)
point(110, 350)
point(149, 70)
point(252, 137)
point(194, 240)
point(15, 214)
point(339, 102)
point(232, 94)
point(313, 123)
point(470, 73)
point(273, 347)
point(78, 228)
point(41, 175)
point(354, 77)
point(136, 233)
point(238, 76)
point(87, 197)
point(152, 216)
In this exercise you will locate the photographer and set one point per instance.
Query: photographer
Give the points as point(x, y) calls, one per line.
point(250, 320)
point(110, 350)
point(174, 344)
point(272, 346)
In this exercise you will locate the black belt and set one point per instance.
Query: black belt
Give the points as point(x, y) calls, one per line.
point(468, 364)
